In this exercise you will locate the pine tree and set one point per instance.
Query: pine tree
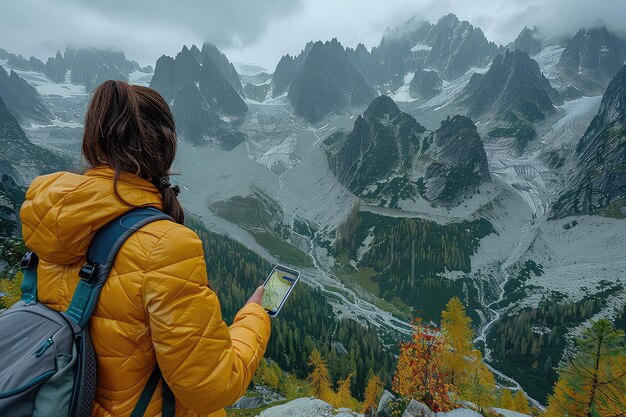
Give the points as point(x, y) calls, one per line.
point(455, 326)
point(319, 378)
point(520, 403)
point(373, 391)
point(506, 400)
point(592, 383)
point(481, 385)
point(420, 373)
point(343, 395)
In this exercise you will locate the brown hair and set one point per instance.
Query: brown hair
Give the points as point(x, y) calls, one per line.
point(131, 128)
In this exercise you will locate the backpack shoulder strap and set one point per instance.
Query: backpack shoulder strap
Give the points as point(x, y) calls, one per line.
point(100, 257)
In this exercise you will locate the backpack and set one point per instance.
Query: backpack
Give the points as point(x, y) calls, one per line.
point(47, 361)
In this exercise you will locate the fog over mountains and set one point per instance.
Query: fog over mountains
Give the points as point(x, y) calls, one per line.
point(436, 163)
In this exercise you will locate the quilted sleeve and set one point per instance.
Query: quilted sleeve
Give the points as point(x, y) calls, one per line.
point(207, 364)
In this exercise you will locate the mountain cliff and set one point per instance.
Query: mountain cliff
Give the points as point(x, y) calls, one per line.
point(451, 47)
point(287, 69)
point(456, 46)
point(425, 84)
point(599, 179)
point(22, 100)
point(91, 67)
point(328, 82)
point(204, 103)
point(389, 157)
point(592, 58)
point(513, 92)
point(527, 41)
point(19, 152)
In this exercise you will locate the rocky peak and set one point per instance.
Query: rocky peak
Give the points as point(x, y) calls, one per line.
point(591, 59)
point(382, 107)
point(598, 185)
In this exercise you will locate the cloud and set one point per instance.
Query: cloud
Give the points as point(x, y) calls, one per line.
point(261, 31)
point(144, 29)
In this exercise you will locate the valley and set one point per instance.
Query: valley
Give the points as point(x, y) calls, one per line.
point(392, 198)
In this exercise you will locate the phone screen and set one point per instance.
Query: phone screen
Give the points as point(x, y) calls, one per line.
point(277, 287)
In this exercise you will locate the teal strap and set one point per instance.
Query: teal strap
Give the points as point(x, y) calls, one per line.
point(83, 295)
point(100, 258)
point(168, 402)
point(147, 393)
point(29, 284)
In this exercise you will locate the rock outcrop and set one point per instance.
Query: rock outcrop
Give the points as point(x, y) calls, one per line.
point(598, 185)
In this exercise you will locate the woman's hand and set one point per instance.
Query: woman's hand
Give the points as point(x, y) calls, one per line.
point(257, 297)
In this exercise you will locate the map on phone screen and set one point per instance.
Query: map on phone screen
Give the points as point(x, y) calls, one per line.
point(276, 288)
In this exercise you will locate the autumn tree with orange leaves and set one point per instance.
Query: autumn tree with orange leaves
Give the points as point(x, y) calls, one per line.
point(420, 373)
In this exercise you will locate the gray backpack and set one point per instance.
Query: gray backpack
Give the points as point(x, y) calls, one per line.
point(47, 361)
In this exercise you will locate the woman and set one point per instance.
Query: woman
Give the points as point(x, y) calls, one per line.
point(156, 305)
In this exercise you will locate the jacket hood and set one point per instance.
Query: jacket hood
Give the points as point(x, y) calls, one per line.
point(63, 211)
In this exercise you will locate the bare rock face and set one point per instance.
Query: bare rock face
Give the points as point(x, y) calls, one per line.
point(205, 104)
point(22, 100)
point(384, 404)
point(599, 182)
point(592, 58)
point(389, 157)
point(417, 409)
point(328, 82)
point(425, 84)
point(527, 41)
point(513, 93)
point(301, 407)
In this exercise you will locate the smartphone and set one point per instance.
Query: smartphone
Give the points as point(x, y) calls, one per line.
point(278, 286)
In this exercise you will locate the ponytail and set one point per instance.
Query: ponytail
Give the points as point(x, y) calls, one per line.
point(131, 128)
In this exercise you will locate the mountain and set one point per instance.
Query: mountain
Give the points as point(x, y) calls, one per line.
point(227, 69)
point(204, 103)
point(457, 46)
point(591, 59)
point(20, 63)
point(399, 52)
point(55, 68)
point(22, 100)
point(425, 84)
point(19, 155)
point(328, 82)
point(90, 66)
point(513, 92)
point(256, 92)
point(451, 47)
point(287, 69)
point(527, 41)
point(389, 157)
point(458, 163)
point(11, 199)
point(599, 179)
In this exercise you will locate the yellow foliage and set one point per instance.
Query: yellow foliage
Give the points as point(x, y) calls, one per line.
point(593, 381)
point(520, 403)
point(343, 396)
point(268, 375)
point(458, 334)
point(481, 385)
point(373, 391)
point(319, 378)
point(10, 287)
point(506, 400)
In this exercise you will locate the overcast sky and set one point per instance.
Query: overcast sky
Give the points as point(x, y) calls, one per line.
point(261, 31)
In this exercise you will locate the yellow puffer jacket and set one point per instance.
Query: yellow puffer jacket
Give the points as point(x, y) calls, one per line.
point(156, 304)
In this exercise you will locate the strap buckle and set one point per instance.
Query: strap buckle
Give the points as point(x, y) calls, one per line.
point(89, 272)
point(28, 261)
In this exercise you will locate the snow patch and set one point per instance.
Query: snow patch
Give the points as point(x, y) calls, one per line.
point(420, 47)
